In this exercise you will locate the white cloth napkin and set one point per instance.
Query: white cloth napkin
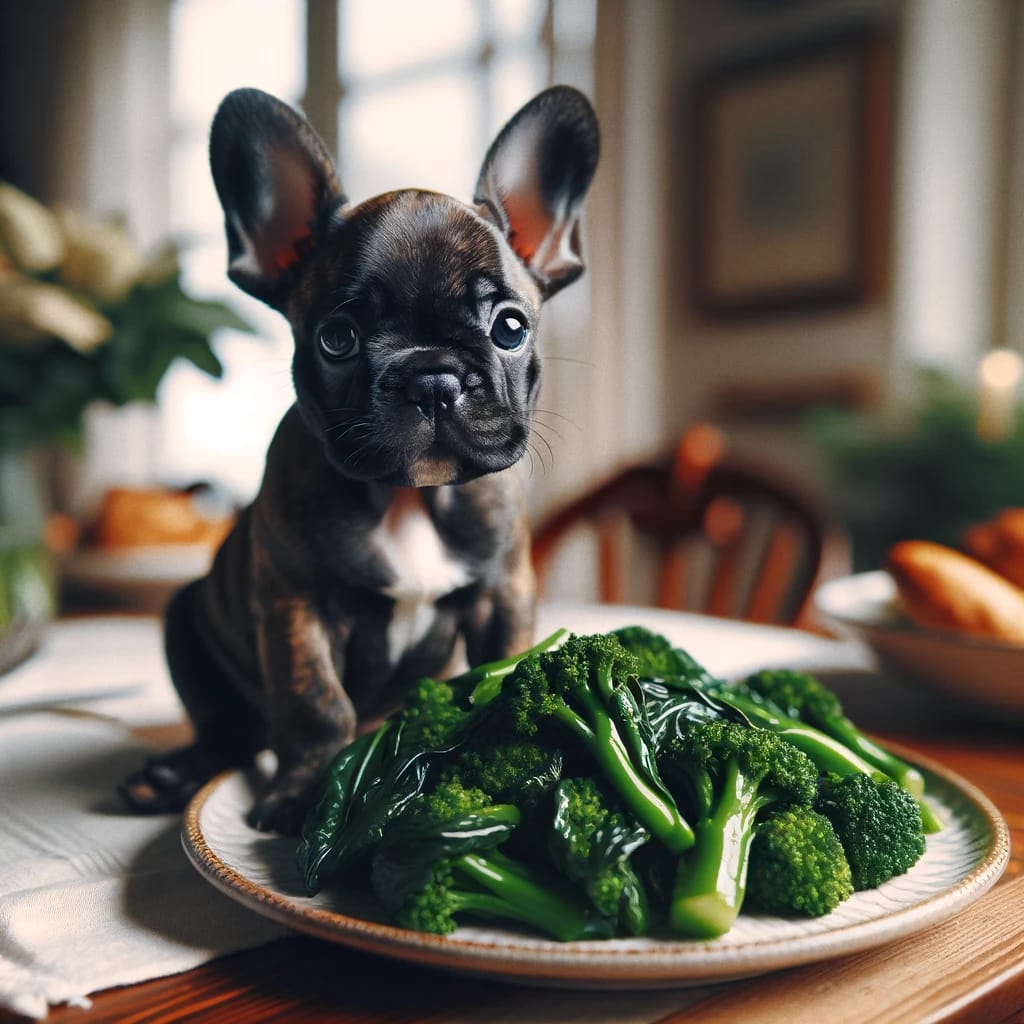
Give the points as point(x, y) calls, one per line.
point(90, 896)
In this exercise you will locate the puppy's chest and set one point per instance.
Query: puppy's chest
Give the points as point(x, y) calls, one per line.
point(422, 569)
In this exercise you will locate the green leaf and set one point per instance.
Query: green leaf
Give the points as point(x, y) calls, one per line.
point(205, 358)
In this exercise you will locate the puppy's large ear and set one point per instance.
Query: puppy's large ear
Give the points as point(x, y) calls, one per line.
point(277, 185)
point(533, 181)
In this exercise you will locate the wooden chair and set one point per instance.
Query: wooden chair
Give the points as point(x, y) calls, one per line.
point(728, 537)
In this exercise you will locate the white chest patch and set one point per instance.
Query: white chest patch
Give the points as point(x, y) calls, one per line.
point(424, 570)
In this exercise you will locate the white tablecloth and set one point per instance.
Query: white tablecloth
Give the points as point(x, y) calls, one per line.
point(92, 897)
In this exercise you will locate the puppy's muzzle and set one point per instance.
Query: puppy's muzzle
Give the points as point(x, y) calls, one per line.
point(434, 395)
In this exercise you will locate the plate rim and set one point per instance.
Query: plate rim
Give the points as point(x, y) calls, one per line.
point(541, 960)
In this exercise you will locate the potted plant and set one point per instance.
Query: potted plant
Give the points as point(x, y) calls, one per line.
point(84, 317)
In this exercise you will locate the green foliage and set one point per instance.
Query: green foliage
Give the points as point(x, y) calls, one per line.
point(927, 476)
point(46, 383)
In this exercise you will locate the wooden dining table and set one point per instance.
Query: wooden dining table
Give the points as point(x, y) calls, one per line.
point(969, 968)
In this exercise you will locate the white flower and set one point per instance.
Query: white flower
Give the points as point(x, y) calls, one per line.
point(101, 258)
point(31, 311)
point(29, 232)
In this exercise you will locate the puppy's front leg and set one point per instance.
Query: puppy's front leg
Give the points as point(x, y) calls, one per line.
point(309, 715)
point(501, 622)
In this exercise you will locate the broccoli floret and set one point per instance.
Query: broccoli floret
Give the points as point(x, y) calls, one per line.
point(800, 695)
point(517, 771)
point(879, 824)
point(753, 769)
point(431, 715)
point(441, 862)
point(497, 888)
point(436, 712)
point(591, 842)
point(797, 864)
point(481, 684)
point(658, 658)
point(579, 688)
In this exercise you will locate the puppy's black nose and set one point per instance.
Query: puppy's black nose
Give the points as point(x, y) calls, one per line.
point(434, 394)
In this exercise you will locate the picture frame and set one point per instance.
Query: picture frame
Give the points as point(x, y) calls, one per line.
point(791, 190)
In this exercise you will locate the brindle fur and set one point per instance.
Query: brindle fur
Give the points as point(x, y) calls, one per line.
point(285, 642)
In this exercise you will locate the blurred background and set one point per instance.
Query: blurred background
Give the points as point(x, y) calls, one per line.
point(807, 229)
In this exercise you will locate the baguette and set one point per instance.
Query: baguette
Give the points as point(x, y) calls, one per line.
point(940, 588)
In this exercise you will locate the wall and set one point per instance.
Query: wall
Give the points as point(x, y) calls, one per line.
point(950, 289)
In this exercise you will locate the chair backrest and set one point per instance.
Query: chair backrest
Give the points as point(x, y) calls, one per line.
point(728, 538)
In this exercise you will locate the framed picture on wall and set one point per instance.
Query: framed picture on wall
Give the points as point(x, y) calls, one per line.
point(791, 190)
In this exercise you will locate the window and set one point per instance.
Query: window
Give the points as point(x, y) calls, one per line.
point(417, 89)
point(219, 430)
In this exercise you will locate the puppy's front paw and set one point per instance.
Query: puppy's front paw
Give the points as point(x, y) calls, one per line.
point(279, 812)
point(167, 782)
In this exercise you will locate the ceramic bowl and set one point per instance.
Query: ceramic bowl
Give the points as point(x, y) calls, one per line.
point(988, 674)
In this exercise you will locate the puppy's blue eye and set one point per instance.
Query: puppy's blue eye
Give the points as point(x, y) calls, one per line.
point(338, 338)
point(510, 330)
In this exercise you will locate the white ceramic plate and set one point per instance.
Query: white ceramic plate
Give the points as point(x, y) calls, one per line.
point(145, 576)
point(988, 674)
point(259, 871)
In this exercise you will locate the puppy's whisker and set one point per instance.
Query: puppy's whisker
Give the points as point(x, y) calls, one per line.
point(557, 415)
point(551, 451)
point(569, 359)
point(539, 427)
point(341, 305)
point(540, 458)
point(340, 408)
point(339, 430)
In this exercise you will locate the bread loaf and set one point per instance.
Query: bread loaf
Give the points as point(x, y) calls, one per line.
point(999, 543)
point(940, 588)
point(141, 517)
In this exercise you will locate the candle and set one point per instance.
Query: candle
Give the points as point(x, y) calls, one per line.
point(999, 377)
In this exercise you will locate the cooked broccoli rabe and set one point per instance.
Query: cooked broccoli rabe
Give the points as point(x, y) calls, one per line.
point(879, 824)
point(683, 794)
point(441, 862)
point(580, 688)
point(800, 695)
point(752, 769)
point(591, 842)
point(797, 864)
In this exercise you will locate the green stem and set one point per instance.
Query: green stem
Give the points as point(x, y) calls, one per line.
point(484, 681)
point(828, 754)
point(514, 894)
point(711, 880)
point(905, 774)
point(655, 811)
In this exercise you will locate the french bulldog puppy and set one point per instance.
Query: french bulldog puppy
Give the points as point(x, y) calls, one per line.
point(386, 526)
